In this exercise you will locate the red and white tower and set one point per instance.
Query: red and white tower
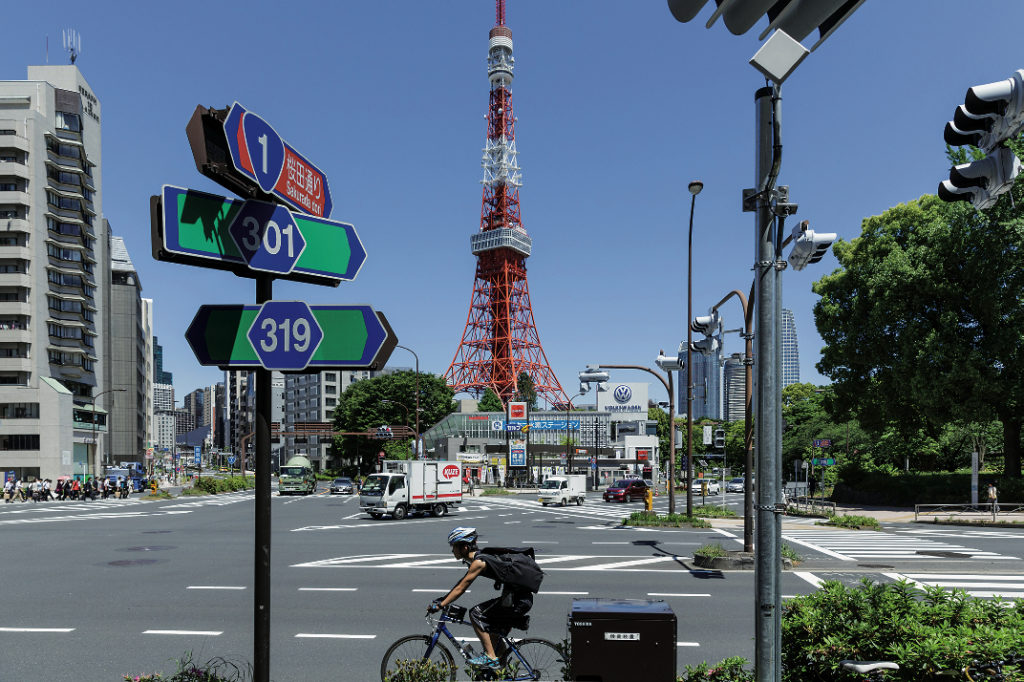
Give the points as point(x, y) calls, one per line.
point(500, 340)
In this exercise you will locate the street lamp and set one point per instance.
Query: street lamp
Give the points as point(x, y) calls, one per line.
point(95, 448)
point(416, 445)
point(416, 432)
point(695, 188)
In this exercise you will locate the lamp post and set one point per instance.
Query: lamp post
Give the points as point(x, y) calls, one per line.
point(416, 445)
point(568, 453)
point(695, 188)
point(671, 440)
point(95, 448)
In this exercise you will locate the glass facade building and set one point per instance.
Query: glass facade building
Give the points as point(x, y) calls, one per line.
point(790, 352)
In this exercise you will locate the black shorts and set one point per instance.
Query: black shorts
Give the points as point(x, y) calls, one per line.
point(501, 614)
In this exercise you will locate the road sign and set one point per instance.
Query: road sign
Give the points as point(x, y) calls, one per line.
point(823, 461)
point(291, 336)
point(197, 454)
point(231, 459)
point(211, 231)
point(822, 443)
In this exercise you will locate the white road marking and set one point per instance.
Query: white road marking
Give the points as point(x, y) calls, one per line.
point(7, 629)
point(207, 633)
point(612, 543)
point(310, 635)
point(678, 594)
point(328, 589)
point(564, 593)
point(809, 577)
point(215, 587)
point(433, 590)
point(687, 643)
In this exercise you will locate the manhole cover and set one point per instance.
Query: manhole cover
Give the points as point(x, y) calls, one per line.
point(944, 554)
point(875, 566)
point(148, 548)
point(132, 562)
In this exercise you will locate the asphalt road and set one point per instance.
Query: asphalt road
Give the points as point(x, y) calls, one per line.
point(95, 590)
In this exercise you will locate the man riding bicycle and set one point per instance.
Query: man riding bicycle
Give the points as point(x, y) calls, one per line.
point(494, 616)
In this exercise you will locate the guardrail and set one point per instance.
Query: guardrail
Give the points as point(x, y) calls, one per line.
point(811, 505)
point(951, 510)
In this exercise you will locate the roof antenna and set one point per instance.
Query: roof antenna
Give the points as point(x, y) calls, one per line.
point(72, 43)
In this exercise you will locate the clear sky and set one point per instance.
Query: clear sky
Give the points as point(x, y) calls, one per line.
point(619, 106)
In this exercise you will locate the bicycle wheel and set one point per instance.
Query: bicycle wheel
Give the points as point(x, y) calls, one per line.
point(541, 656)
point(414, 648)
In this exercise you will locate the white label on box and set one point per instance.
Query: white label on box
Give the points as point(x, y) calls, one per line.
point(630, 636)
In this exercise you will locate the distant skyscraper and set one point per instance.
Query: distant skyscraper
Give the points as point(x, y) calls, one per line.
point(735, 388)
point(159, 375)
point(790, 353)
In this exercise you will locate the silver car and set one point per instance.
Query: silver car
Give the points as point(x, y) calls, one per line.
point(734, 486)
point(713, 488)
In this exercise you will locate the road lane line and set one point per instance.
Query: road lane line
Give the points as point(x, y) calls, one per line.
point(637, 562)
point(678, 594)
point(562, 593)
point(328, 589)
point(539, 542)
point(311, 635)
point(209, 633)
point(687, 643)
point(433, 590)
point(615, 543)
point(215, 587)
point(3, 629)
point(810, 577)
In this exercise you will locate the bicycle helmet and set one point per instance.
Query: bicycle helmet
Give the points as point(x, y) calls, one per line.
point(462, 534)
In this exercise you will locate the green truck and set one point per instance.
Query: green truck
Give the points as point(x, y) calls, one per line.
point(297, 476)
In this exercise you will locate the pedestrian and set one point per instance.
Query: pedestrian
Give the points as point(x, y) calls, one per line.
point(813, 486)
point(993, 497)
point(8, 491)
point(126, 487)
point(47, 495)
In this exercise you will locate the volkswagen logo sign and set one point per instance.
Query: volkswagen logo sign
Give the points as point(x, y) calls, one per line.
point(623, 393)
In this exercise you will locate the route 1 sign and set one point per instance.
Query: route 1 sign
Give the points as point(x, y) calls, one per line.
point(291, 336)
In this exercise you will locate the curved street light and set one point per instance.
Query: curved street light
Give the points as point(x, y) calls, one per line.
point(695, 188)
point(416, 445)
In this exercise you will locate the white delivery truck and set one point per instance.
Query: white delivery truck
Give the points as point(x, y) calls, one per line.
point(412, 486)
point(562, 490)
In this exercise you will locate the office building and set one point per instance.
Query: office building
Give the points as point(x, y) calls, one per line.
point(127, 360)
point(790, 352)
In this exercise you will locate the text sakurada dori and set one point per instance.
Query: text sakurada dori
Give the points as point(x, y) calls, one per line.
point(304, 185)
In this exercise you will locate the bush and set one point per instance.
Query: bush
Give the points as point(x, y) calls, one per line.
point(907, 489)
point(645, 518)
point(924, 631)
point(212, 486)
point(497, 491)
point(711, 551)
point(730, 670)
point(852, 521)
point(214, 670)
point(713, 511)
point(418, 671)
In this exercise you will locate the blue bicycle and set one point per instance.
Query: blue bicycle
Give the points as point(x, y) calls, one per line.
point(531, 659)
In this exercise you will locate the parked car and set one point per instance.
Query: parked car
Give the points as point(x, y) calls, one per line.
point(625, 490)
point(734, 486)
point(342, 485)
point(713, 487)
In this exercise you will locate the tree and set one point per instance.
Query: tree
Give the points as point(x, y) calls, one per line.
point(490, 402)
point(525, 391)
point(361, 408)
point(923, 322)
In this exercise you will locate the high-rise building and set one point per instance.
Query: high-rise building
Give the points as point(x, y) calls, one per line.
point(790, 352)
point(735, 380)
point(164, 420)
point(160, 376)
point(54, 274)
point(126, 361)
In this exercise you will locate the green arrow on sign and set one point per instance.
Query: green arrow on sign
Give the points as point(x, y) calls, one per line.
point(354, 337)
point(192, 228)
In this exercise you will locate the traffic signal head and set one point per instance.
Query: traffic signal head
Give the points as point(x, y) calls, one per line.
point(671, 363)
point(990, 114)
point(798, 18)
point(808, 246)
point(719, 438)
point(706, 346)
point(706, 324)
point(592, 375)
point(981, 182)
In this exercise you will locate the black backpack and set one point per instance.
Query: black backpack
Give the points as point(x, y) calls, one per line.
point(513, 566)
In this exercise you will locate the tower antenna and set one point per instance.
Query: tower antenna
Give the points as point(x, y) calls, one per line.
point(72, 43)
point(500, 11)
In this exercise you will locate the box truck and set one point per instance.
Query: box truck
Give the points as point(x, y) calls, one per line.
point(406, 486)
point(297, 476)
point(562, 490)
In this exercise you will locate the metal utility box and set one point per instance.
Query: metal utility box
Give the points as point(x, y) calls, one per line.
point(622, 639)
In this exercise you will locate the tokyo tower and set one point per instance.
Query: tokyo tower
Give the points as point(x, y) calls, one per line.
point(500, 340)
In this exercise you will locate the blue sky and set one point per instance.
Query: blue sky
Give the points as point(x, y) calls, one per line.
point(619, 106)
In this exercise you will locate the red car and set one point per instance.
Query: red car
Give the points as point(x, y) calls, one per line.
point(625, 490)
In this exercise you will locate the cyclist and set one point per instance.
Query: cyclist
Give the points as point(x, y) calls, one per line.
point(494, 616)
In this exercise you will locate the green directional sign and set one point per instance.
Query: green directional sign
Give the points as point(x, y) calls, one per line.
point(291, 336)
point(250, 237)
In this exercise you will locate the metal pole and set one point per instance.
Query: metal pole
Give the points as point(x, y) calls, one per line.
point(261, 593)
point(768, 606)
point(671, 445)
point(689, 364)
point(417, 448)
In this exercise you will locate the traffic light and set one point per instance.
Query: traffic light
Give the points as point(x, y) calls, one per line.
point(706, 346)
point(671, 363)
point(384, 432)
point(981, 182)
point(809, 247)
point(706, 324)
point(990, 114)
point(797, 18)
point(593, 375)
point(720, 438)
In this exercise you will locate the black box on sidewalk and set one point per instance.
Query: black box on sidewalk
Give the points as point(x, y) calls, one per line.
point(622, 639)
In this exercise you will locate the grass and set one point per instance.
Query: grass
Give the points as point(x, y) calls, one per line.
point(158, 494)
point(497, 491)
point(712, 551)
point(713, 511)
point(788, 552)
point(650, 519)
point(852, 521)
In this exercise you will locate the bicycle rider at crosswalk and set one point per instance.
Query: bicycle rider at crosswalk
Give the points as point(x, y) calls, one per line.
point(494, 616)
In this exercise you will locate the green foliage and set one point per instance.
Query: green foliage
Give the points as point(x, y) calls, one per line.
point(875, 487)
point(852, 521)
point(361, 408)
point(211, 486)
point(713, 511)
point(924, 631)
point(788, 552)
point(646, 518)
point(490, 402)
point(711, 551)
point(214, 670)
point(419, 670)
point(923, 321)
point(525, 391)
point(732, 669)
point(497, 491)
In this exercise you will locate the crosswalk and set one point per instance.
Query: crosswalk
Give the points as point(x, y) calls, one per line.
point(850, 545)
point(976, 585)
point(552, 562)
point(52, 512)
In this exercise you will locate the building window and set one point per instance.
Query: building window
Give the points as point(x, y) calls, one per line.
point(16, 441)
point(19, 410)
